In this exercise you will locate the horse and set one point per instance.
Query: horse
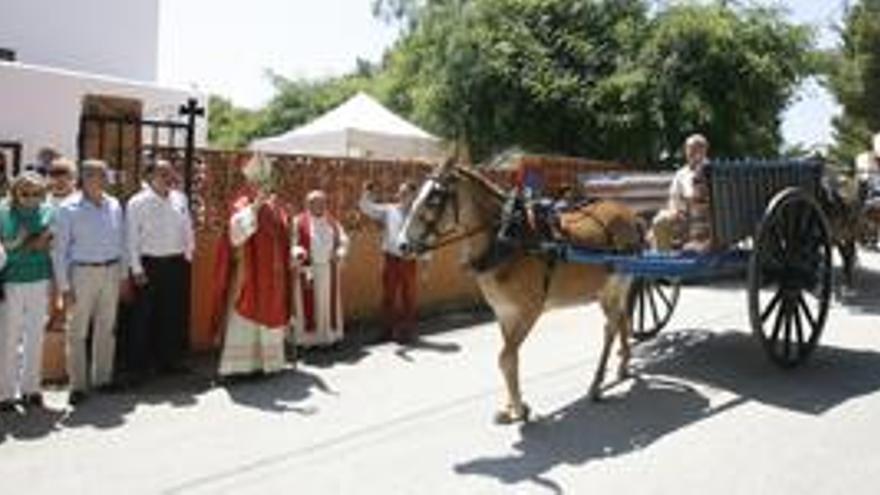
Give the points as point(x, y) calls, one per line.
point(843, 203)
point(456, 204)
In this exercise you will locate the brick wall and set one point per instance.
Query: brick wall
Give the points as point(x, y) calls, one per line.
point(446, 284)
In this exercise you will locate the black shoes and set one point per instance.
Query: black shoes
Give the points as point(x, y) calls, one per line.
point(7, 406)
point(34, 400)
point(76, 397)
point(175, 369)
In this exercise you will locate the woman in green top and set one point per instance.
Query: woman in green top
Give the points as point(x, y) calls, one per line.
point(26, 238)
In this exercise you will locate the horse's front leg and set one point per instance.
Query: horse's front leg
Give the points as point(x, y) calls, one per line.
point(508, 360)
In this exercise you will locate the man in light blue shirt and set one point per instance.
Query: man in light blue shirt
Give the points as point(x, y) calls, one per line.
point(90, 263)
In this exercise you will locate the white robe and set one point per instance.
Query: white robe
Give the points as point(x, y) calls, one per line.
point(317, 270)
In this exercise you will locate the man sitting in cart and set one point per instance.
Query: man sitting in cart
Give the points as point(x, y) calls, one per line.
point(685, 222)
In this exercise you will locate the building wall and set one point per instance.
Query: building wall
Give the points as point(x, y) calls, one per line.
point(110, 37)
point(42, 106)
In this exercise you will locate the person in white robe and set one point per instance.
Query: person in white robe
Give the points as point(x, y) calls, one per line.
point(319, 246)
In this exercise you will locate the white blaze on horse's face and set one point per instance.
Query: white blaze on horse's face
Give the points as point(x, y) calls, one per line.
point(425, 219)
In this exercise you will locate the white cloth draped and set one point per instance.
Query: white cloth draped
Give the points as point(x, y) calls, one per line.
point(317, 268)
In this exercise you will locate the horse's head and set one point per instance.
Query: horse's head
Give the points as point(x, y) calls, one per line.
point(433, 213)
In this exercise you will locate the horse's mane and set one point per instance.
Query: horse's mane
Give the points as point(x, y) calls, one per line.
point(480, 179)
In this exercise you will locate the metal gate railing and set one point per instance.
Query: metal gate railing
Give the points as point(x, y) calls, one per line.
point(124, 142)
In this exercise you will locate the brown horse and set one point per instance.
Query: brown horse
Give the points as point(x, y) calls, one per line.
point(457, 204)
point(843, 202)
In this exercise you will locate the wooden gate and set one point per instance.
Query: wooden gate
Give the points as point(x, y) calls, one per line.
point(112, 129)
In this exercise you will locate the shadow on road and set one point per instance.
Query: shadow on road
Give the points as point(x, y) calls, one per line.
point(661, 401)
point(866, 296)
point(584, 431)
point(280, 392)
point(735, 362)
point(108, 410)
point(33, 425)
point(425, 345)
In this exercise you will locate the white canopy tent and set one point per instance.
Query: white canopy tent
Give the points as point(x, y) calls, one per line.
point(360, 127)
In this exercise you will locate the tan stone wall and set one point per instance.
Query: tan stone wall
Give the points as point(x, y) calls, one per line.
point(446, 283)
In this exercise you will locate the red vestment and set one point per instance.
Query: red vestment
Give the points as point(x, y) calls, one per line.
point(304, 239)
point(264, 295)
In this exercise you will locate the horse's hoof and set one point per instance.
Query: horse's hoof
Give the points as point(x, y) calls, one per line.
point(526, 414)
point(503, 418)
point(595, 394)
point(509, 416)
point(623, 374)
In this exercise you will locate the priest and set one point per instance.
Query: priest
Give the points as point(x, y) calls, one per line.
point(253, 277)
point(319, 245)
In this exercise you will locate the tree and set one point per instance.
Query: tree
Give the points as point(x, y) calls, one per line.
point(229, 127)
point(854, 77)
point(728, 73)
point(498, 73)
point(298, 101)
point(596, 78)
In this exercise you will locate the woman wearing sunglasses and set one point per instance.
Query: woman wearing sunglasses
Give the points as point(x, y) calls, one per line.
point(25, 236)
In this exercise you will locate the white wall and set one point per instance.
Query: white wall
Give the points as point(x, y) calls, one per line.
point(41, 107)
point(109, 37)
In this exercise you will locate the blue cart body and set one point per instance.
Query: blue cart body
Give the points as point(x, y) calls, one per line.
point(656, 264)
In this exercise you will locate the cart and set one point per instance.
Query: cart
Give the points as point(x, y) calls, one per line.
point(767, 224)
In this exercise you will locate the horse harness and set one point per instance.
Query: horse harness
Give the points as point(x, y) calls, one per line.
point(517, 230)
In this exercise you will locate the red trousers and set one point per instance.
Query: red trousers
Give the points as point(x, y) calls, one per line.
point(399, 282)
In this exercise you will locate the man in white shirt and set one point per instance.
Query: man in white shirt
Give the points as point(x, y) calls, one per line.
point(319, 245)
point(160, 248)
point(399, 272)
point(685, 218)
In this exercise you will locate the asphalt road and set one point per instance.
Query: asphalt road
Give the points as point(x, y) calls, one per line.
point(707, 413)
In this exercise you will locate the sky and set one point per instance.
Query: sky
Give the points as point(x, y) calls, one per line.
point(226, 46)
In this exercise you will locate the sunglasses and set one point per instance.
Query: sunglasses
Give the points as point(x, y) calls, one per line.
point(59, 172)
point(30, 194)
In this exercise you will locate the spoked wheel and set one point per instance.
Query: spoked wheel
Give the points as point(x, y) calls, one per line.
point(651, 302)
point(790, 278)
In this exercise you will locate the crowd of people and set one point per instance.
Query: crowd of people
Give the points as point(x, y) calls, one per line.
point(279, 279)
point(72, 254)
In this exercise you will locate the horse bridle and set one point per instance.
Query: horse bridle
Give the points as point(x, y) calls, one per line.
point(438, 199)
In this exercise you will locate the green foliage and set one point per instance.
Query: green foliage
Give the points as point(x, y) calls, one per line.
point(599, 78)
point(854, 77)
point(728, 74)
point(298, 101)
point(608, 79)
point(497, 73)
point(229, 127)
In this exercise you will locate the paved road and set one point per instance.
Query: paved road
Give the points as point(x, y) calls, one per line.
point(708, 414)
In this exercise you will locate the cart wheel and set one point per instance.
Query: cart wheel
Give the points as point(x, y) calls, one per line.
point(651, 302)
point(790, 277)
